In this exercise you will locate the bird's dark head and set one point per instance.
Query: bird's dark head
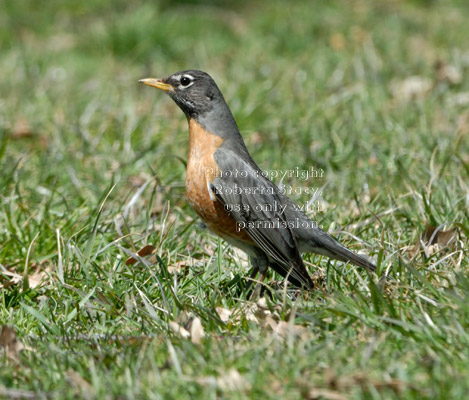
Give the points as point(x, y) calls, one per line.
point(195, 92)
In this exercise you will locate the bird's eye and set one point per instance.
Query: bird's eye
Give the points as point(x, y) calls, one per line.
point(185, 81)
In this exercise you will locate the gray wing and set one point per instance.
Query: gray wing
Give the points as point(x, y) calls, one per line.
point(256, 205)
point(312, 239)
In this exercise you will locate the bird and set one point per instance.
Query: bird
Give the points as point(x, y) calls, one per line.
point(232, 195)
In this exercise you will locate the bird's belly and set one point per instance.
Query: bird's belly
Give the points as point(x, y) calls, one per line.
point(209, 209)
point(201, 172)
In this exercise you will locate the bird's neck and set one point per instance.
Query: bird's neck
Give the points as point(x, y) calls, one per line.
point(220, 122)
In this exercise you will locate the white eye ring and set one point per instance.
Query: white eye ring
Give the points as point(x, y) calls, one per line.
point(185, 81)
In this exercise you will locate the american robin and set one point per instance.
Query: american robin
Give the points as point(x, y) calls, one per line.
point(233, 196)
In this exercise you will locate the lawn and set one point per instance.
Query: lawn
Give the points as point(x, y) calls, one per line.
point(92, 166)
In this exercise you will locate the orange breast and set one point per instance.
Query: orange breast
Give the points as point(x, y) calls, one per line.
point(201, 171)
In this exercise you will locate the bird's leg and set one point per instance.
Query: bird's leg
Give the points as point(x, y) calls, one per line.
point(254, 272)
point(256, 294)
point(260, 265)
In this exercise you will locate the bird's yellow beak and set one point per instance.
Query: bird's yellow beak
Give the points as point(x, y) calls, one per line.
point(157, 83)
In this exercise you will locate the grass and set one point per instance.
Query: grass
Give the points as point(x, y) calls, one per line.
point(92, 170)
